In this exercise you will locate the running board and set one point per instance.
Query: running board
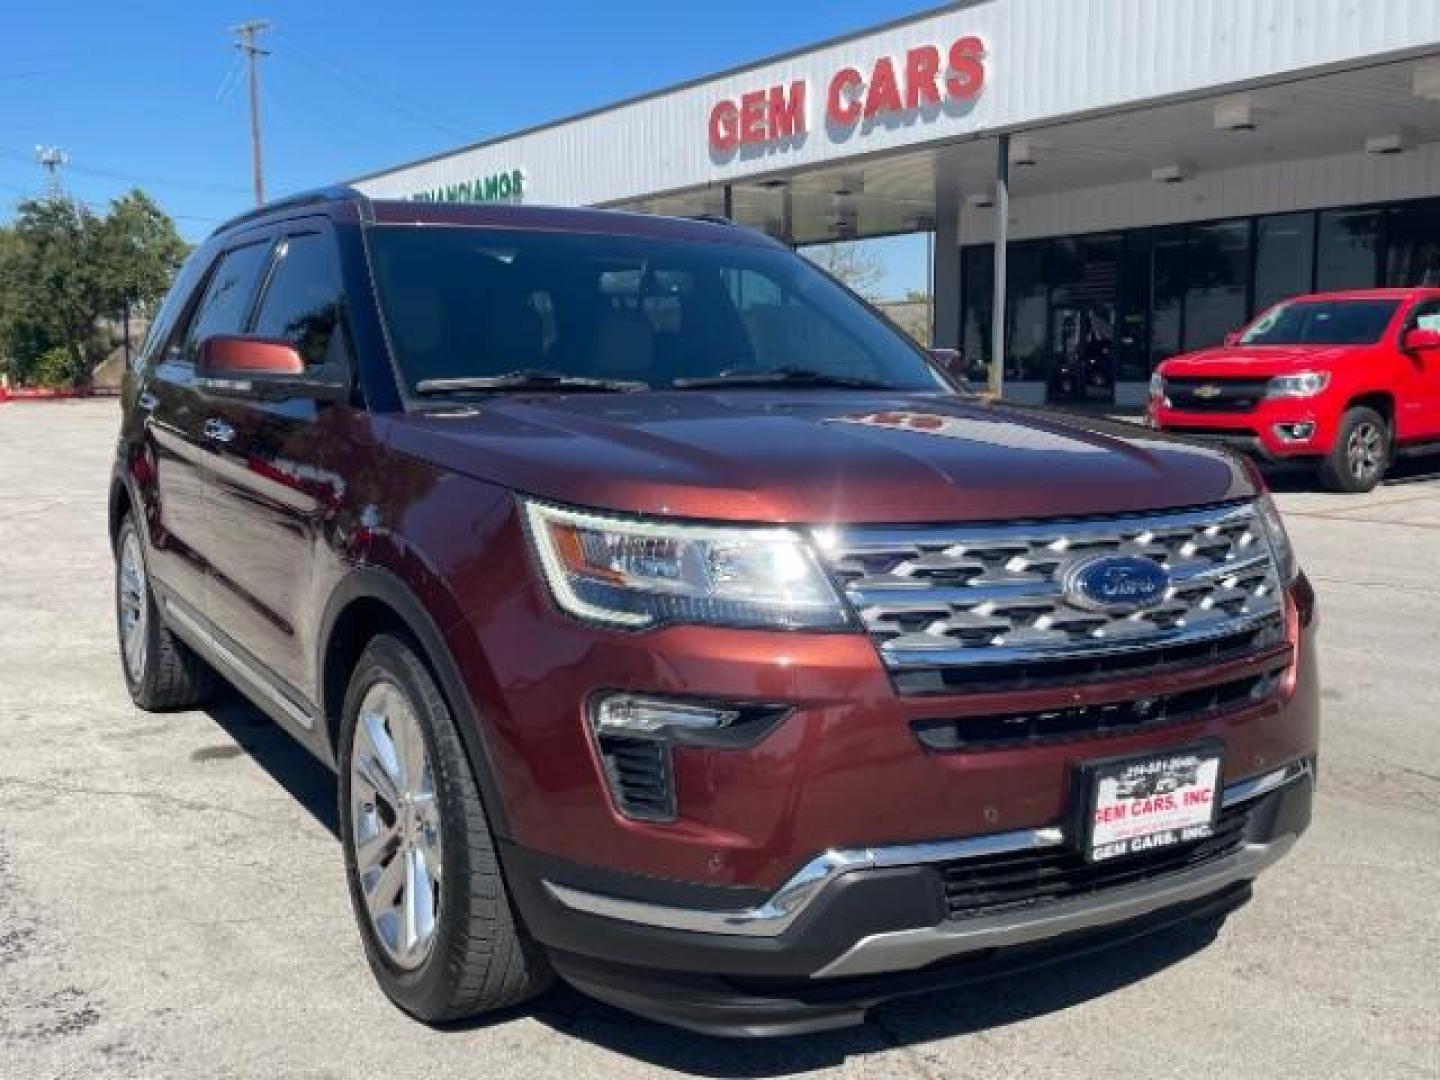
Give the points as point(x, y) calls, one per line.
point(245, 671)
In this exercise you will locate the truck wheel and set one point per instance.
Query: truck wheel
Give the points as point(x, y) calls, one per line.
point(439, 929)
point(1361, 454)
point(161, 671)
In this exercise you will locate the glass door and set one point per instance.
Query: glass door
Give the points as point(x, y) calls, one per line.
point(1084, 320)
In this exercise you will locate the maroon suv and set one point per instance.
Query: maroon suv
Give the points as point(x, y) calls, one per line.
point(676, 626)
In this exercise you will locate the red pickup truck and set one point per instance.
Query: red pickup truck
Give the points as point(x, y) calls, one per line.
point(1347, 381)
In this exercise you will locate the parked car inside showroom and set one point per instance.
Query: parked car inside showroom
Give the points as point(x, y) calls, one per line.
point(676, 628)
point(1346, 382)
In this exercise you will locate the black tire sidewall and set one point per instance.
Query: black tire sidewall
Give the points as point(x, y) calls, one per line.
point(1336, 470)
point(137, 687)
point(426, 991)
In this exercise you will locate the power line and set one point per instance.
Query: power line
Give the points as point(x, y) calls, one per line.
point(247, 32)
point(110, 174)
point(323, 65)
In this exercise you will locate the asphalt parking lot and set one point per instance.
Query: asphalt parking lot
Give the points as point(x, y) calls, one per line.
point(172, 900)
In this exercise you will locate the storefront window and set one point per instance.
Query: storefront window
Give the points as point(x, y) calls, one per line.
point(1349, 250)
point(1083, 318)
point(1284, 258)
point(977, 287)
point(1412, 249)
point(1027, 300)
point(1167, 291)
point(1217, 270)
point(1132, 333)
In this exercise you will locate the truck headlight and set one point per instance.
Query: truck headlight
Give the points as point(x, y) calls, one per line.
point(638, 572)
point(1157, 385)
point(1301, 385)
point(1280, 547)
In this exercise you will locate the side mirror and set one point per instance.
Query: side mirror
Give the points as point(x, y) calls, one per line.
point(1420, 339)
point(1232, 339)
point(951, 364)
point(232, 365)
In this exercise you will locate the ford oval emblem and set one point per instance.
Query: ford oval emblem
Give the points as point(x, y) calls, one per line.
point(1116, 583)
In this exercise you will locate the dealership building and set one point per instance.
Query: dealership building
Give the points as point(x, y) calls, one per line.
point(1137, 176)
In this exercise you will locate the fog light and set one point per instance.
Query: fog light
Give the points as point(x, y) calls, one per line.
point(1295, 432)
point(656, 718)
point(636, 736)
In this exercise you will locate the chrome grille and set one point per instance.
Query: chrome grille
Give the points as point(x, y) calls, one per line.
point(971, 596)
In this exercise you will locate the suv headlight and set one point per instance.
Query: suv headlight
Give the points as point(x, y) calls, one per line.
point(1157, 385)
point(1304, 384)
point(1280, 547)
point(637, 573)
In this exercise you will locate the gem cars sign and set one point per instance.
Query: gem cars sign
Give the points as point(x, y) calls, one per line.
point(924, 82)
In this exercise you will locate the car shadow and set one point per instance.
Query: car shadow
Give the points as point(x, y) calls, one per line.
point(905, 1022)
point(288, 763)
point(1298, 479)
point(974, 1008)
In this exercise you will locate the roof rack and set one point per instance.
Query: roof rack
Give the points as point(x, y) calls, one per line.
point(334, 194)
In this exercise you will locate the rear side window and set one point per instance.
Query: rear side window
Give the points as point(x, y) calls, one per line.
point(304, 301)
point(226, 301)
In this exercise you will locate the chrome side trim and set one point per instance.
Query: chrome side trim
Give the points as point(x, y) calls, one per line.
point(777, 914)
point(251, 675)
point(904, 950)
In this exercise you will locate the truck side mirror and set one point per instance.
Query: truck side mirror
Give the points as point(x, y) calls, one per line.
point(1420, 339)
point(951, 364)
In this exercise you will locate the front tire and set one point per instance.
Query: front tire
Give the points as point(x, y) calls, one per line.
point(1361, 454)
point(438, 926)
point(161, 671)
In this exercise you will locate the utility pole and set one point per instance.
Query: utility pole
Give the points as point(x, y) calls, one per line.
point(52, 159)
point(246, 34)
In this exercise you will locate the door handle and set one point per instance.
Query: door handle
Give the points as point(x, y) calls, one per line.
point(148, 402)
point(219, 431)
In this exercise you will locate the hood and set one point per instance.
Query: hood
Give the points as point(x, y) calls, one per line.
point(1259, 361)
point(817, 456)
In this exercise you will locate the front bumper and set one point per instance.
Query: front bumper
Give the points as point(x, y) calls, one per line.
point(1254, 432)
point(854, 928)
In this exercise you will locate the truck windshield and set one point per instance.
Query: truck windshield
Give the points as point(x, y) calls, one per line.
point(1322, 322)
point(473, 310)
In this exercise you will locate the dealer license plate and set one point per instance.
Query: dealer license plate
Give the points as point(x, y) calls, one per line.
point(1143, 804)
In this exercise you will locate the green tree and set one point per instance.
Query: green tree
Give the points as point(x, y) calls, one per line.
point(68, 274)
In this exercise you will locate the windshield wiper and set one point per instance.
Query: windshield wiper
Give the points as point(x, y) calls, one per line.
point(784, 376)
point(526, 379)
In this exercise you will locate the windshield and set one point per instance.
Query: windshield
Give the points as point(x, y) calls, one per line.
point(481, 310)
point(1322, 322)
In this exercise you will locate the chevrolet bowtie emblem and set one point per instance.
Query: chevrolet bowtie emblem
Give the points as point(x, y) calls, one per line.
point(1208, 391)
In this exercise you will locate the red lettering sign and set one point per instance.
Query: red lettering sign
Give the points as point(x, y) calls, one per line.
point(761, 116)
point(842, 104)
point(925, 80)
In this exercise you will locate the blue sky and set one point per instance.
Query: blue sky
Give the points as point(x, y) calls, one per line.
point(151, 94)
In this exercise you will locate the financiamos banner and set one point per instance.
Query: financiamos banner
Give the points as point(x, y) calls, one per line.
point(922, 78)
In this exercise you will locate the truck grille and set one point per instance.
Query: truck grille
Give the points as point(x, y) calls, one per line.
point(983, 886)
point(985, 607)
point(1215, 395)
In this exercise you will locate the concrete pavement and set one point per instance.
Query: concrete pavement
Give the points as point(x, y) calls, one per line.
point(172, 900)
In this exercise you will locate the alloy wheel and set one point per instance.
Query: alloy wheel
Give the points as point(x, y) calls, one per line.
point(395, 825)
point(134, 607)
point(1365, 451)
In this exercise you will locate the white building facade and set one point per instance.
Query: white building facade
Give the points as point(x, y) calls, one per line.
point(1141, 176)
